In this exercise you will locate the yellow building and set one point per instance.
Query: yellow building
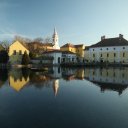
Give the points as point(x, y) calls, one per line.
point(78, 49)
point(110, 50)
point(16, 50)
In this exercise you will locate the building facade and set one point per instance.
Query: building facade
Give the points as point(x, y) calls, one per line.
point(68, 57)
point(56, 55)
point(16, 51)
point(77, 49)
point(110, 50)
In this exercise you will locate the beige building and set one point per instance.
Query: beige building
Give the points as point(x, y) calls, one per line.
point(111, 50)
point(16, 51)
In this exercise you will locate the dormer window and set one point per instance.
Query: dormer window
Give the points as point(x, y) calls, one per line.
point(123, 47)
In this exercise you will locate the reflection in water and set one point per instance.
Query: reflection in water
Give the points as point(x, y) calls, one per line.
point(55, 86)
point(18, 79)
point(3, 76)
point(106, 78)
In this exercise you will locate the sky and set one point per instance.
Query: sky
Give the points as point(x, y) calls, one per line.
point(76, 21)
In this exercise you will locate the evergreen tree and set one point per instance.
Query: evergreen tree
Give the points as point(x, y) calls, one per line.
point(25, 59)
point(4, 57)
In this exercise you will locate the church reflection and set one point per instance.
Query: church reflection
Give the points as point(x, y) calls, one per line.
point(115, 79)
point(56, 86)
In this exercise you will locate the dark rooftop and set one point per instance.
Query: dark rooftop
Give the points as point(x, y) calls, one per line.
point(118, 41)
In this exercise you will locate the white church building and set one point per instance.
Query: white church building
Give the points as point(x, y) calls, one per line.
point(57, 55)
point(55, 52)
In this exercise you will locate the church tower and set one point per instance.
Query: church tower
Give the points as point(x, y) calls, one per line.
point(55, 40)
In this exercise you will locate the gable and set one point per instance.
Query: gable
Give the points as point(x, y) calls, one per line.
point(17, 46)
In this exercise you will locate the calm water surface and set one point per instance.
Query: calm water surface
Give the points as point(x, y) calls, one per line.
point(64, 98)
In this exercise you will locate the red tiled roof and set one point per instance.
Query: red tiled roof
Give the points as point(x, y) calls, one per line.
point(52, 51)
point(78, 45)
point(68, 45)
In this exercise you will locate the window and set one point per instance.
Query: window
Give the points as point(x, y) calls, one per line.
point(59, 60)
point(114, 48)
point(14, 52)
point(123, 54)
point(101, 49)
point(114, 54)
point(107, 54)
point(20, 52)
point(93, 55)
point(93, 49)
point(123, 47)
point(106, 48)
point(100, 55)
point(72, 59)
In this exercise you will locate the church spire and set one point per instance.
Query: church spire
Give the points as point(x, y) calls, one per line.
point(55, 40)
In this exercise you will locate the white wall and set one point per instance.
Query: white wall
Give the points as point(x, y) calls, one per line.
point(55, 55)
point(97, 51)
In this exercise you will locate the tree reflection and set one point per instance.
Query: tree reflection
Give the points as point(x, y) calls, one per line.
point(3, 76)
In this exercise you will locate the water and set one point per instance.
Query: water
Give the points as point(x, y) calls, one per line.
point(64, 98)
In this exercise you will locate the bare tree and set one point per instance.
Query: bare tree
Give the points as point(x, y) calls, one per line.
point(22, 39)
point(38, 39)
point(48, 40)
point(5, 44)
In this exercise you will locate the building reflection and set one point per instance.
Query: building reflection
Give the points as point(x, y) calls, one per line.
point(73, 73)
point(17, 80)
point(115, 79)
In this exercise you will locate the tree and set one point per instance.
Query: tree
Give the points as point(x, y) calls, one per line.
point(32, 55)
point(47, 40)
point(5, 44)
point(22, 39)
point(25, 59)
point(4, 57)
point(38, 39)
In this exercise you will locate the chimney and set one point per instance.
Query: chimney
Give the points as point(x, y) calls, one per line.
point(102, 38)
point(120, 36)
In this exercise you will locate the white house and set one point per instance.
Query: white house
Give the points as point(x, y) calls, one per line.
point(111, 50)
point(68, 56)
point(56, 54)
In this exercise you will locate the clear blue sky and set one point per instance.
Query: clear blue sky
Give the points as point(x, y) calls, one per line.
point(77, 21)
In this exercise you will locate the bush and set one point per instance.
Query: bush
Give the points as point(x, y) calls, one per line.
point(25, 59)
